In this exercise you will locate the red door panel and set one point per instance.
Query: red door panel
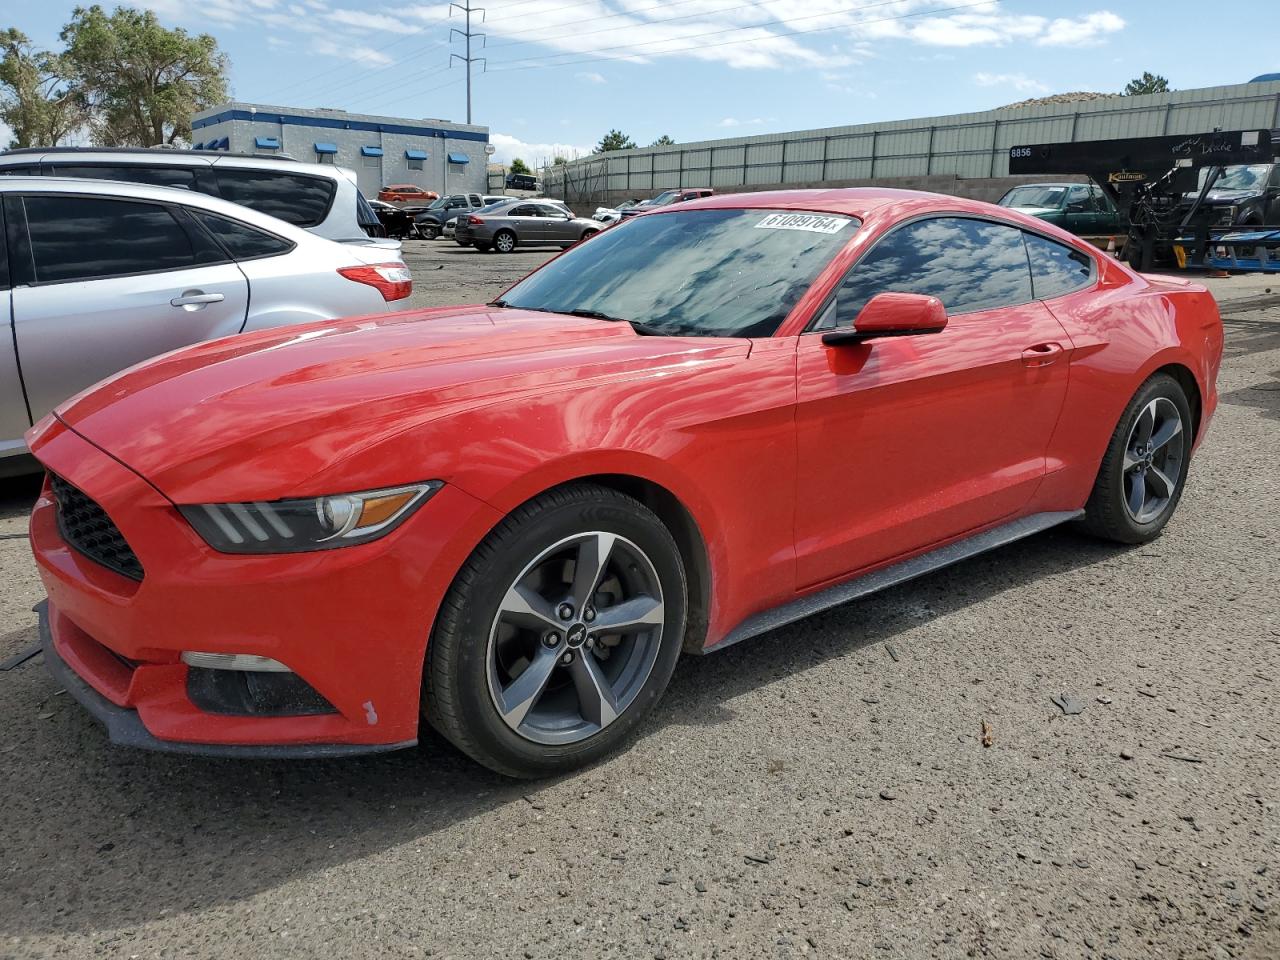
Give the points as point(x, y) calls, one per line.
point(908, 441)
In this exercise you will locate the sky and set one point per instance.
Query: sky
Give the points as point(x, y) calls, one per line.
point(560, 73)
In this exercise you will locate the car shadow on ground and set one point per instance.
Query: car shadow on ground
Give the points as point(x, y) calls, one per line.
point(84, 822)
point(1263, 396)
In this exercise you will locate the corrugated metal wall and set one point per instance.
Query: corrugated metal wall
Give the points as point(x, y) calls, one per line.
point(963, 145)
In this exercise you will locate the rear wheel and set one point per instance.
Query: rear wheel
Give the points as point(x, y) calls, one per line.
point(1145, 467)
point(559, 634)
point(504, 241)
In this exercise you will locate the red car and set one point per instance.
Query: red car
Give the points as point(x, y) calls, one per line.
point(406, 193)
point(511, 519)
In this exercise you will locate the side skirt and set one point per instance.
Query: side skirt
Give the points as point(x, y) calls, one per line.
point(890, 576)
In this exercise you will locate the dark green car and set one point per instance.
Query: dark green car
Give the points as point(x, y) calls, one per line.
point(1081, 208)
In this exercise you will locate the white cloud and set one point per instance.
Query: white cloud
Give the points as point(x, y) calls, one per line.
point(1085, 31)
point(349, 51)
point(590, 76)
point(509, 147)
point(1018, 81)
point(734, 122)
point(366, 20)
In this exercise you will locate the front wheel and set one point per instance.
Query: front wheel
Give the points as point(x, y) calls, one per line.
point(1144, 470)
point(559, 634)
point(429, 231)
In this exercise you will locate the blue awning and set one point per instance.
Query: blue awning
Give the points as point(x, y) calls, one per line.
point(416, 155)
point(222, 143)
point(370, 151)
point(266, 143)
point(199, 146)
point(326, 147)
point(459, 158)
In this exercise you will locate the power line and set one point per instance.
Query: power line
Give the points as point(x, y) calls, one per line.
point(366, 57)
point(468, 34)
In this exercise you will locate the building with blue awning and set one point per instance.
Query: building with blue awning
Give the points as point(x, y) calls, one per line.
point(437, 155)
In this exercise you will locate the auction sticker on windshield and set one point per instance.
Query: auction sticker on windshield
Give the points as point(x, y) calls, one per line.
point(803, 221)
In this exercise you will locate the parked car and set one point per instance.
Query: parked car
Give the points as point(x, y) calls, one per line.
point(318, 197)
point(509, 520)
point(430, 222)
point(1245, 195)
point(613, 214)
point(523, 223)
point(406, 193)
point(664, 199)
point(1081, 208)
point(100, 275)
point(523, 181)
point(493, 204)
point(397, 221)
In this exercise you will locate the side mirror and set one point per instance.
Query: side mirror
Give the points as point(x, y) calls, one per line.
point(892, 315)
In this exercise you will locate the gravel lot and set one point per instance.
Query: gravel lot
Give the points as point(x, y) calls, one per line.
point(823, 790)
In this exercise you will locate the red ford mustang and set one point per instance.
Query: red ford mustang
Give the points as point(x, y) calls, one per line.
point(510, 519)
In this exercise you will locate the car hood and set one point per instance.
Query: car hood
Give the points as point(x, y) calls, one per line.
point(278, 413)
point(1222, 196)
point(1043, 213)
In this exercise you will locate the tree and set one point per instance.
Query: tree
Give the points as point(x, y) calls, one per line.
point(519, 166)
point(663, 141)
point(36, 101)
point(141, 82)
point(1147, 83)
point(559, 161)
point(615, 140)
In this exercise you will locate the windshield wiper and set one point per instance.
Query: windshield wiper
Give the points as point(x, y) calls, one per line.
point(640, 327)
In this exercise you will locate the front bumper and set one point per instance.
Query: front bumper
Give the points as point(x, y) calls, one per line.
point(351, 623)
point(125, 728)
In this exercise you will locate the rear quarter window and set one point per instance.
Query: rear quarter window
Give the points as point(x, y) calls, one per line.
point(183, 177)
point(301, 200)
point(1056, 268)
point(240, 240)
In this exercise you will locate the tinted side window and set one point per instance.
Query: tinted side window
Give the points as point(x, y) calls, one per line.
point(526, 210)
point(969, 265)
point(86, 238)
point(241, 240)
point(155, 176)
point(294, 198)
point(32, 170)
point(1056, 268)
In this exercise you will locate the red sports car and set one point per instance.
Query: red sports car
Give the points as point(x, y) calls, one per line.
point(511, 519)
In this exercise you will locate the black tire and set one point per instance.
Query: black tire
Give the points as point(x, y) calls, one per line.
point(589, 233)
point(1108, 513)
point(429, 231)
point(456, 698)
point(504, 241)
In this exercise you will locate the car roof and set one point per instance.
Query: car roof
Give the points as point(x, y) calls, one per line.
point(120, 189)
point(175, 158)
point(858, 202)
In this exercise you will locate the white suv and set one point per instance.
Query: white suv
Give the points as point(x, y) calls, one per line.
point(318, 197)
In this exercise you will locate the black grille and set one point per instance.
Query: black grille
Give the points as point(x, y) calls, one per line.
point(86, 526)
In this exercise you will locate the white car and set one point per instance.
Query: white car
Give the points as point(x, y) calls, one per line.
point(318, 197)
point(101, 275)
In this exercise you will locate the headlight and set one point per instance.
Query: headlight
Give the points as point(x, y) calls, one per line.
point(316, 523)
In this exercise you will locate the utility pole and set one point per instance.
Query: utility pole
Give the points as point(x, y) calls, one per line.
point(467, 34)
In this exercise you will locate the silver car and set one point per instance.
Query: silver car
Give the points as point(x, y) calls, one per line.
point(96, 276)
point(528, 223)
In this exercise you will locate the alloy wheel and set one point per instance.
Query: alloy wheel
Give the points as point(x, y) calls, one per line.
point(575, 638)
point(1153, 460)
point(505, 243)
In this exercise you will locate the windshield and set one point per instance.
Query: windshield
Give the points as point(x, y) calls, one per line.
point(437, 204)
point(1239, 178)
point(1035, 195)
point(662, 199)
point(709, 273)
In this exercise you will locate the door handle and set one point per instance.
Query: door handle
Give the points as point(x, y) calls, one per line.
point(195, 299)
point(1042, 354)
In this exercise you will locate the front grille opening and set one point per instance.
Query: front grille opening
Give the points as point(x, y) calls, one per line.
point(87, 528)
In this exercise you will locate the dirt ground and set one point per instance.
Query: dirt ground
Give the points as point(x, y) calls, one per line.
point(823, 790)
